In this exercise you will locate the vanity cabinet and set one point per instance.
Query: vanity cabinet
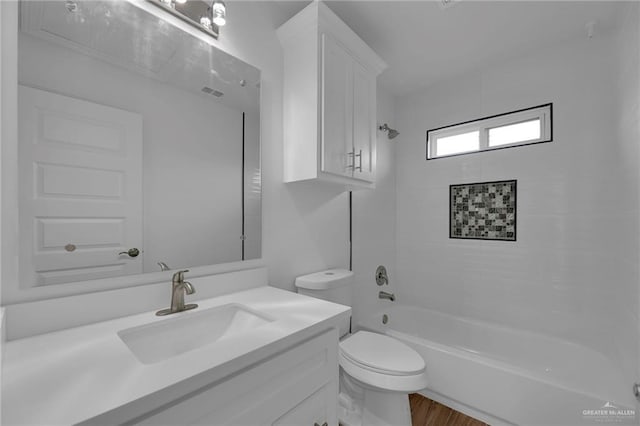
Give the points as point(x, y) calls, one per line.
point(329, 100)
point(298, 386)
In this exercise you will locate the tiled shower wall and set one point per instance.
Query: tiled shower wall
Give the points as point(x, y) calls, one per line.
point(628, 128)
point(573, 270)
point(374, 224)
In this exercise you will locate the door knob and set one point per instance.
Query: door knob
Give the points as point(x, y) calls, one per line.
point(132, 252)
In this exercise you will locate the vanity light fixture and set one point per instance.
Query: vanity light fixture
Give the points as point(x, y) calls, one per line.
point(216, 14)
point(205, 15)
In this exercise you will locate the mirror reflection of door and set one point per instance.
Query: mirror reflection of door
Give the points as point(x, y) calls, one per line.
point(81, 188)
point(193, 197)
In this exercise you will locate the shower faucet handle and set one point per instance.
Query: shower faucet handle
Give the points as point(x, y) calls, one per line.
point(381, 275)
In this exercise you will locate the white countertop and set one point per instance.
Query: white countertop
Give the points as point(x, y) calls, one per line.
point(73, 375)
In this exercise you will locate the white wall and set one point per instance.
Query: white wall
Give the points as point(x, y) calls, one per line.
point(628, 128)
point(574, 264)
point(305, 226)
point(374, 222)
point(192, 164)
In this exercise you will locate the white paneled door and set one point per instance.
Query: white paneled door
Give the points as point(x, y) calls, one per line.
point(80, 185)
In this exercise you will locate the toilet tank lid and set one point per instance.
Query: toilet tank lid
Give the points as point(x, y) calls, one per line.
point(323, 280)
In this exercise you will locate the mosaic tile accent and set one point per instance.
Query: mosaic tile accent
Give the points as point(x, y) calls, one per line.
point(483, 211)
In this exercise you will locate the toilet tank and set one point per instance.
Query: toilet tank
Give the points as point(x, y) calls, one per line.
point(333, 285)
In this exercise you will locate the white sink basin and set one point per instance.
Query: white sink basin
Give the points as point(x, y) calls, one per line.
point(190, 330)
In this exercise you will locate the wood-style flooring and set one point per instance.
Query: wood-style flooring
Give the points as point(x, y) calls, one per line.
point(425, 412)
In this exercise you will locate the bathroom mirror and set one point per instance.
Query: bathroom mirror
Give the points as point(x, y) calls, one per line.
point(138, 145)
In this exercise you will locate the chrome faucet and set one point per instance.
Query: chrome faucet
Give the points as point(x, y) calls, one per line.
point(178, 288)
point(385, 295)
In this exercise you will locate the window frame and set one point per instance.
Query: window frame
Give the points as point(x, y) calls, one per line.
point(544, 113)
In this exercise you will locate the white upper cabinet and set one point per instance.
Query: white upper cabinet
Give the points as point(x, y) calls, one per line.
point(329, 100)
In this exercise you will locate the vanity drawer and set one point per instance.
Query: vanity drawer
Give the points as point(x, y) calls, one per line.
point(296, 387)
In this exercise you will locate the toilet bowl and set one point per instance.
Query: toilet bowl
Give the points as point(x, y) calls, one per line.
point(377, 372)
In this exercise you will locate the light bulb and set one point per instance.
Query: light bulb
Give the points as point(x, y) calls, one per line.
point(205, 21)
point(219, 13)
point(219, 20)
point(219, 7)
point(181, 1)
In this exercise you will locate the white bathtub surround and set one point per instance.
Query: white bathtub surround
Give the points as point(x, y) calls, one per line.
point(374, 221)
point(101, 375)
point(572, 274)
point(503, 375)
point(628, 131)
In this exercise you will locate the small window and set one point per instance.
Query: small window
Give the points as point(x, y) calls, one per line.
point(457, 144)
point(523, 127)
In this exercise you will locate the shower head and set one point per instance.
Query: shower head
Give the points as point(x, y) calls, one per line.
point(391, 133)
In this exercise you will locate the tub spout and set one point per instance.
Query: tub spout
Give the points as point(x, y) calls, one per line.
point(385, 295)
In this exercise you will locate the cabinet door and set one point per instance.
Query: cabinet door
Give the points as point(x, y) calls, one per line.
point(296, 387)
point(337, 102)
point(363, 123)
point(313, 410)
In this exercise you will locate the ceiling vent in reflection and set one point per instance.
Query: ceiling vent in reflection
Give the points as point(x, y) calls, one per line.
point(213, 92)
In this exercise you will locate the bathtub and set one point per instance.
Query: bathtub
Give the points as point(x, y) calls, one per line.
point(504, 376)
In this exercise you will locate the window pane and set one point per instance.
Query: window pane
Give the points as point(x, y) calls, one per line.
point(514, 133)
point(457, 144)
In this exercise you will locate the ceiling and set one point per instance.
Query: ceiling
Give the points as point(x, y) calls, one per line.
point(423, 42)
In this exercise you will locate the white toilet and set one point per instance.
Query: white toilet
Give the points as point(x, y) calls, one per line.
point(377, 372)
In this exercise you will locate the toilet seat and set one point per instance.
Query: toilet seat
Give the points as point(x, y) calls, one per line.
point(382, 354)
point(382, 362)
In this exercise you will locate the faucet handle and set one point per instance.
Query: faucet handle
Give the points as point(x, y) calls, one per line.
point(179, 276)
